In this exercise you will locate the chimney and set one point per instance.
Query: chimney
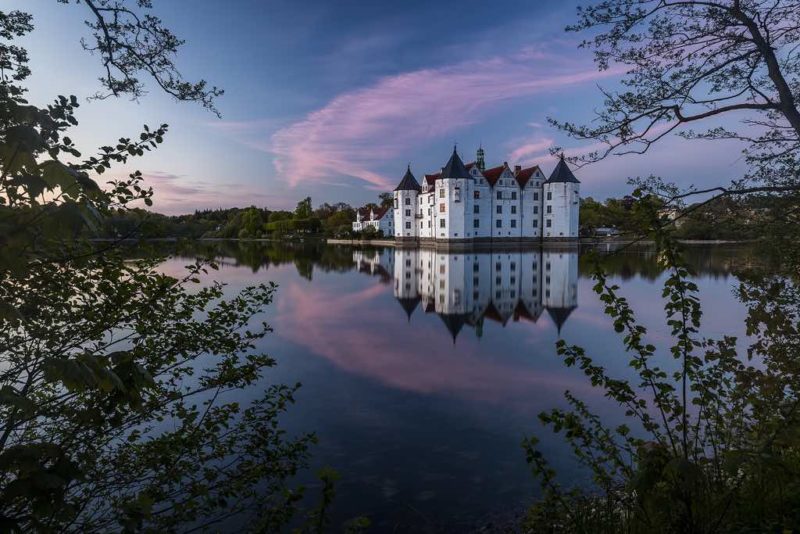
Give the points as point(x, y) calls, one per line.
point(517, 169)
point(505, 164)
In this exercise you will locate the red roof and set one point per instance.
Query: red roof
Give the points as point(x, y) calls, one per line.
point(525, 174)
point(430, 178)
point(380, 212)
point(493, 174)
point(469, 165)
point(522, 311)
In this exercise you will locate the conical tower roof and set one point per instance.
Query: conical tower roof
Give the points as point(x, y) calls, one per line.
point(562, 173)
point(408, 183)
point(455, 167)
point(559, 316)
point(454, 323)
point(409, 304)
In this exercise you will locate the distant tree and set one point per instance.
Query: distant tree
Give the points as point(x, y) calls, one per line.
point(251, 223)
point(276, 216)
point(303, 209)
point(387, 200)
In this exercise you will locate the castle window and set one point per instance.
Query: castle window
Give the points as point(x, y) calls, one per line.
point(535, 209)
point(513, 223)
point(536, 223)
point(513, 210)
point(476, 195)
point(513, 280)
point(513, 195)
point(441, 208)
point(497, 266)
point(497, 295)
point(441, 193)
point(395, 202)
point(497, 281)
point(408, 225)
point(475, 267)
point(499, 209)
point(441, 223)
point(408, 213)
point(457, 194)
point(549, 195)
point(476, 208)
point(476, 223)
point(549, 209)
point(549, 223)
point(408, 201)
point(513, 266)
point(498, 223)
point(499, 195)
point(535, 195)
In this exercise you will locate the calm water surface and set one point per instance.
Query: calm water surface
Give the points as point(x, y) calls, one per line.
point(423, 371)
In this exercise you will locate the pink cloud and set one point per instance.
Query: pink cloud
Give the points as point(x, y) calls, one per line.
point(359, 130)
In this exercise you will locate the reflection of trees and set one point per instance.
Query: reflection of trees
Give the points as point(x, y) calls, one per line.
point(306, 255)
point(714, 261)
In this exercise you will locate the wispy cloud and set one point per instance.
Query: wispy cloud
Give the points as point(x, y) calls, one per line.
point(357, 131)
point(178, 193)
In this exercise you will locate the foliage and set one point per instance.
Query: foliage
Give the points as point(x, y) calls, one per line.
point(710, 444)
point(116, 407)
point(130, 44)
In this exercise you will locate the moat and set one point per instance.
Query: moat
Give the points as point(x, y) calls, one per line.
point(423, 370)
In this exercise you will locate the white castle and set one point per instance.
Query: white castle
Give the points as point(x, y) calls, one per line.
point(470, 203)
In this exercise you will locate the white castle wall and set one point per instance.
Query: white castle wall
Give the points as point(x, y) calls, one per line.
point(561, 206)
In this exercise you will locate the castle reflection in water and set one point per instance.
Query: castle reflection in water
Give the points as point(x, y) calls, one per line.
point(466, 288)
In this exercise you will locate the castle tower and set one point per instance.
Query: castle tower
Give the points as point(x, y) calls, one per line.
point(405, 207)
point(561, 204)
point(560, 285)
point(405, 279)
point(453, 200)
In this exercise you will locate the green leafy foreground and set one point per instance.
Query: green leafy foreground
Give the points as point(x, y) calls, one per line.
point(116, 380)
point(712, 442)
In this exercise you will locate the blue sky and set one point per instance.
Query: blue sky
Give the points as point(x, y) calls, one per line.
point(333, 99)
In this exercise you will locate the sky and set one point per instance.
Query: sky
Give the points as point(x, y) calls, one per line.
point(333, 99)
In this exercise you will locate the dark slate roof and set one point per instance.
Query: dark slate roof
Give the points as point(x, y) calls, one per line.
point(408, 183)
point(562, 174)
point(454, 323)
point(409, 304)
point(559, 316)
point(455, 167)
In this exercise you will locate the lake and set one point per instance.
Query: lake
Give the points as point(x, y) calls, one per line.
point(422, 371)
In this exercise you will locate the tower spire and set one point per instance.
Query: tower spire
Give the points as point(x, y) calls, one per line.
point(480, 159)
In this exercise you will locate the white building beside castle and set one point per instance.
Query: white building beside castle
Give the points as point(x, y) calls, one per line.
point(470, 203)
point(382, 220)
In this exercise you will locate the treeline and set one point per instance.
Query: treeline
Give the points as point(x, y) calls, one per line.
point(724, 218)
point(329, 220)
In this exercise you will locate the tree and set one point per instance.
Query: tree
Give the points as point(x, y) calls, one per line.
point(100, 426)
point(692, 60)
point(710, 442)
point(387, 200)
point(303, 209)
